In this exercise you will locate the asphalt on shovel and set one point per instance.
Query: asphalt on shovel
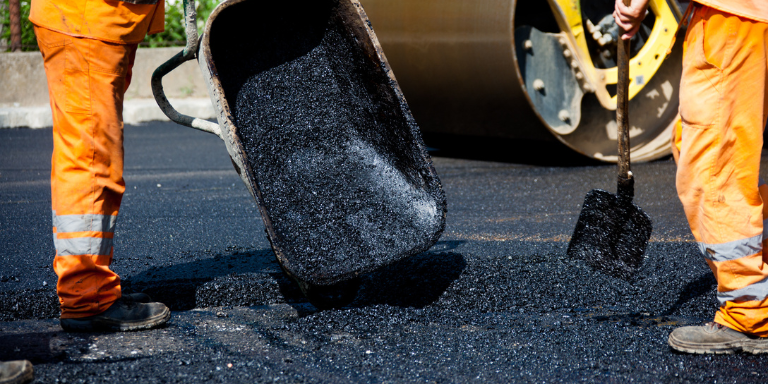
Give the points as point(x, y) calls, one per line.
point(612, 232)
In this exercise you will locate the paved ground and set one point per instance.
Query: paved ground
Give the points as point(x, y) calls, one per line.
point(496, 300)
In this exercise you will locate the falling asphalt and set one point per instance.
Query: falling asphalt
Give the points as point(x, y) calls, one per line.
point(495, 300)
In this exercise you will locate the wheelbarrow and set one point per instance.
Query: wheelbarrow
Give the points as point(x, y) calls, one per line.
point(319, 131)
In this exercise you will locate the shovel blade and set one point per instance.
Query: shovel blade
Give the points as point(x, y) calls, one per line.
point(611, 234)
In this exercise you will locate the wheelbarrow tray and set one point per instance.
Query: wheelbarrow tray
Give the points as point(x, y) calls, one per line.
point(318, 129)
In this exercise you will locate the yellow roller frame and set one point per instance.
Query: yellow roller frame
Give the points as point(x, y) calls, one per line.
point(641, 68)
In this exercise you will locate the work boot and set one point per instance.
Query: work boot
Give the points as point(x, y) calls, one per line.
point(123, 315)
point(16, 372)
point(715, 339)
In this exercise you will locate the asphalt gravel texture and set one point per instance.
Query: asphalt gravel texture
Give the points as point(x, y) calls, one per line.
point(346, 182)
point(495, 300)
point(611, 234)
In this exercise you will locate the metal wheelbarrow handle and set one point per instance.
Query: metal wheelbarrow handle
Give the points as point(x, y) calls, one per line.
point(189, 53)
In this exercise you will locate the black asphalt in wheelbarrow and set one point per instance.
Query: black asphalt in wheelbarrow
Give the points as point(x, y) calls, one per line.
point(321, 134)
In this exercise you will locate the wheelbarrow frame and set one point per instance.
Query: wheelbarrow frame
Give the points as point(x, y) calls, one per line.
point(355, 20)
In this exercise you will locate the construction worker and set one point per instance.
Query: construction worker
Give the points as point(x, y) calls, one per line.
point(723, 107)
point(88, 49)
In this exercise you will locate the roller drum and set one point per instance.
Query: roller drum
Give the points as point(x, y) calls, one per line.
point(499, 68)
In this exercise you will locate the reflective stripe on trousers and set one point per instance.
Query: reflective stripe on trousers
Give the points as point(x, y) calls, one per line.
point(86, 234)
point(87, 79)
point(723, 108)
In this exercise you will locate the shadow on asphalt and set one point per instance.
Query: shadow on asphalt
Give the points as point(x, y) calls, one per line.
point(51, 347)
point(243, 277)
point(692, 290)
point(37, 347)
point(415, 282)
point(517, 151)
point(253, 277)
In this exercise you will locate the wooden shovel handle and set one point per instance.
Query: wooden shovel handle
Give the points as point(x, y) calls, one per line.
point(622, 116)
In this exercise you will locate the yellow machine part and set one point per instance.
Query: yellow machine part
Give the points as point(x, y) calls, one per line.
point(642, 66)
point(522, 69)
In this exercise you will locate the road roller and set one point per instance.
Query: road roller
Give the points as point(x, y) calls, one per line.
point(534, 69)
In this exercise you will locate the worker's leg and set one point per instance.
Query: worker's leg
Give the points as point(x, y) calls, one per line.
point(723, 106)
point(86, 79)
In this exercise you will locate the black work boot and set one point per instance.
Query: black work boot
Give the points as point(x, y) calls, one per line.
point(123, 315)
point(715, 339)
point(16, 372)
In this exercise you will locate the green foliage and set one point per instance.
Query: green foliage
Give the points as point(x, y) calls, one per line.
point(175, 34)
point(28, 39)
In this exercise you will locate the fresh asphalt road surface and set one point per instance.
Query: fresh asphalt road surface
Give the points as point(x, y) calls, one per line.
point(496, 300)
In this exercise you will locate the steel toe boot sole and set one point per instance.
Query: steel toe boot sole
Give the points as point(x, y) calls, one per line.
point(16, 372)
point(106, 324)
point(715, 339)
point(122, 316)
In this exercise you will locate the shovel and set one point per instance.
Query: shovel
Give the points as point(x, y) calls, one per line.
point(612, 232)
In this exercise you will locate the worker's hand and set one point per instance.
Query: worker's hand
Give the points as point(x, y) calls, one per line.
point(628, 18)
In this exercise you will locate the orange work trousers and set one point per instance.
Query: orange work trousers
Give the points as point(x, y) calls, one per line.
point(87, 80)
point(723, 107)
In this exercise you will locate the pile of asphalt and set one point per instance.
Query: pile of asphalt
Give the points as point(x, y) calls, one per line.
point(521, 312)
point(342, 171)
point(466, 277)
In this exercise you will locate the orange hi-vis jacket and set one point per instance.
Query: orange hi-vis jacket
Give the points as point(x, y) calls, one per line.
point(108, 20)
point(751, 9)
